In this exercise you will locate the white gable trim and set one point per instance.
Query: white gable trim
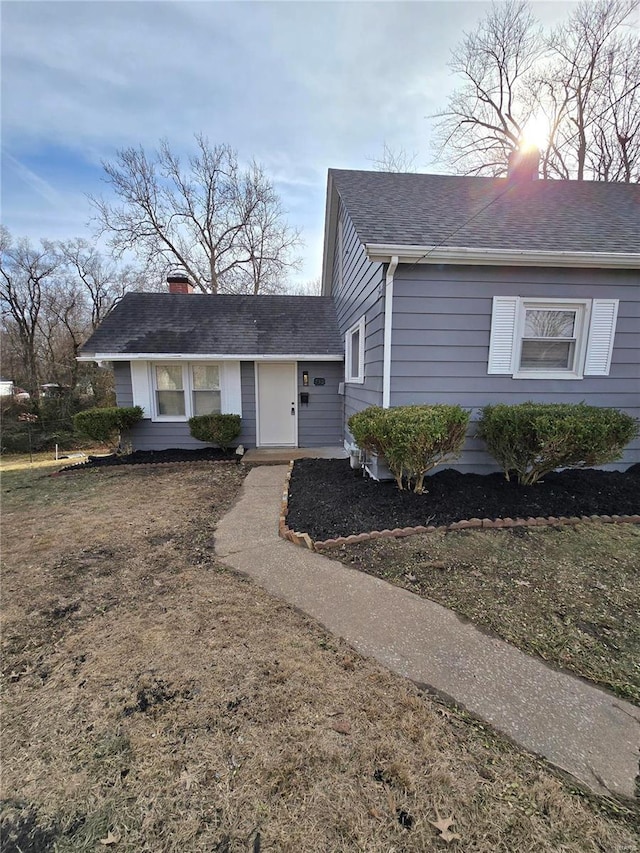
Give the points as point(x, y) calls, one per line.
point(383, 252)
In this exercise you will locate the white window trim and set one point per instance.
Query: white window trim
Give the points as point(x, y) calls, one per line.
point(187, 389)
point(582, 307)
point(357, 327)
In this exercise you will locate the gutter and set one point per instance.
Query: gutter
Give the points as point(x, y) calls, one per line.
point(198, 356)
point(388, 324)
point(385, 252)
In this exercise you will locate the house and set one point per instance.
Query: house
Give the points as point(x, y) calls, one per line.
point(475, 290)
point(436, 288)
point(275, 360)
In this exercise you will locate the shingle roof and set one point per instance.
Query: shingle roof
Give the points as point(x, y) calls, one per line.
point(428, 210)
point(223, 325)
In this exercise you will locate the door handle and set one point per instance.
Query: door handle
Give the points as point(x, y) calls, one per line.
point(293, 409)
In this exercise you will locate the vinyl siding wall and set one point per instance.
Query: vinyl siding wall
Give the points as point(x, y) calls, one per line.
point(440, 344)
point(149, 435)
point(358, 288)
point(320, 423)
point(122, 381)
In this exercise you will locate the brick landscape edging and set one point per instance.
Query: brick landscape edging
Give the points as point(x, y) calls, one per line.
point(305, 541)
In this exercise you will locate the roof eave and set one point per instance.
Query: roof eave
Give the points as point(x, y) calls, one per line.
point(198, 356)
point(383, 252)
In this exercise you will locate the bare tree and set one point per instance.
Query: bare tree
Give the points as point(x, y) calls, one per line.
point(395, 160)
point(223, 225)
point(51, 298)
point(101, 283)
point(582, 77)
point(590, 61)
point(313, 287)
point(25, 273)
point(614, 154)
point(486, 116)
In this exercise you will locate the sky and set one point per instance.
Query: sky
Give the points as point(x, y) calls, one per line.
point(299, 86)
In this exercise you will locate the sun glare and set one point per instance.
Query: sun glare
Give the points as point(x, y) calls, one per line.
point(535, 133)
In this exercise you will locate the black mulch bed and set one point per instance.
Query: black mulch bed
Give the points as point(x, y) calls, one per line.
point(146, 457)
point(328, 499)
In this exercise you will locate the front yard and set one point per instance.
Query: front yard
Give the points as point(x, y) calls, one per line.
point(154, 701)
point(569, 594)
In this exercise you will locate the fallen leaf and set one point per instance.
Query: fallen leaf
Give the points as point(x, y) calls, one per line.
point(112, 838)
point(186, 778)
point(442, 824)
point(522, 583)
point(343, 727)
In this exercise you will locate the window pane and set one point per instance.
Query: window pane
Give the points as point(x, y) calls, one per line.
point(206, 402)
point(206, 376)
point(355, 354)
point(169, 377)
point(170, 402)
point(543, 323)
point(543, 355)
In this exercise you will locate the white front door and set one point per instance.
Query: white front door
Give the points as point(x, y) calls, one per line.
point(277, 404)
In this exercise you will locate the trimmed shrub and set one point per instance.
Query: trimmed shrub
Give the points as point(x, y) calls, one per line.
point(364, 427)
point(222, 430)
point(532, 439)
point(413, 439)
point(105, 425)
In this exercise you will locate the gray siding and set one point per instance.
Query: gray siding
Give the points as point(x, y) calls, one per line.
point(320, 423)
point(248, 389)
point(440, 345)
point(147, 435)
point(360, 290)
point(122, 380)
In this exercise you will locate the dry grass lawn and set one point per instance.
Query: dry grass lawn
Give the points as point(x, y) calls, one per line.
point(568, 594)
point(154, 701)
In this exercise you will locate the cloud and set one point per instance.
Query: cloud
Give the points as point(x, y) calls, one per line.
point(42, 188)
point(299, 86)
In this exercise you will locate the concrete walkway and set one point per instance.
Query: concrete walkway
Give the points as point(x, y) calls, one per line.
point(273, 455)
point(581, 729)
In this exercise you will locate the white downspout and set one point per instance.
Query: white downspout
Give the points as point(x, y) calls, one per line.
point(388, 323)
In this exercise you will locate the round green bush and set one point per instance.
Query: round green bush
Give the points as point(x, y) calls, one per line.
point(222, 430)
point(532, 439)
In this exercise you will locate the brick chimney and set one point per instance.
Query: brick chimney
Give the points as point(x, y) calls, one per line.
point(179, 283)
point(523, 164)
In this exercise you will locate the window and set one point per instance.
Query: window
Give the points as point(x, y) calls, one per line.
point(169, 389)
point(182, 390)
point(552, 338)
point(354, 352)
point(205, 388)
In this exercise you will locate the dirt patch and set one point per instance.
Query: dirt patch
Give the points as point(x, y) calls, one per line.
point(569, 595)
point(328, 499)
point(20, 830)
point(186, 710)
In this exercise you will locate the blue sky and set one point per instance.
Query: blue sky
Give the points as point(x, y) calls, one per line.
point(300, 86)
